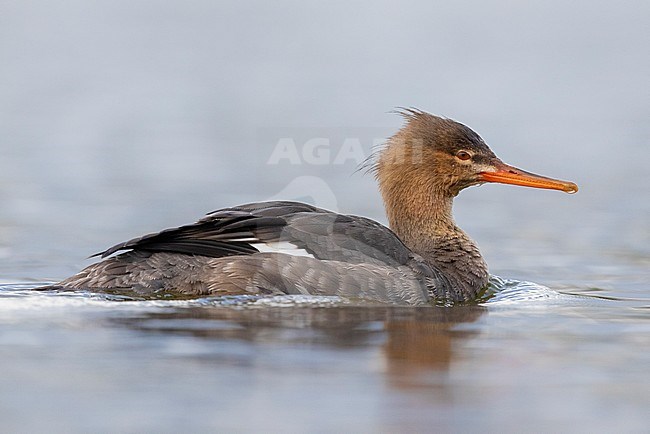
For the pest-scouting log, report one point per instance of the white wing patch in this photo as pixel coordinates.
(284, 247)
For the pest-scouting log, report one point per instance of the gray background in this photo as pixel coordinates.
(123, 117)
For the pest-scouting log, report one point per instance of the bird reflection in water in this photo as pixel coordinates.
(413, 341)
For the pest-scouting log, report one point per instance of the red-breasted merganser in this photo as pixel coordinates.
(295, 248)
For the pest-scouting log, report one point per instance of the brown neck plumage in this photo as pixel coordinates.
(418, 199)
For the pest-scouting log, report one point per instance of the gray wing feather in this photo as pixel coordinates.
(232, 231)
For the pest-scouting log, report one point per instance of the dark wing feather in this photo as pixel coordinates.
(269, 209)
(216, 237)
(232, 231)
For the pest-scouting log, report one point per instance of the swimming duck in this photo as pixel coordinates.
(284, 247)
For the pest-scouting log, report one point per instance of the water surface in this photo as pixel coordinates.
(102, 362)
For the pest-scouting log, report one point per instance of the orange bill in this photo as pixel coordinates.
(506, 174)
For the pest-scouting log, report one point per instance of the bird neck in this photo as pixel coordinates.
(421, 216)
(422, 219)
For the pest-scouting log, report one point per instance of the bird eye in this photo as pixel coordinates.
(463, 155)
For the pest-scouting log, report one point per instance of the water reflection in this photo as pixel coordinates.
(412, 340)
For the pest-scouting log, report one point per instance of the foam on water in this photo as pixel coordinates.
(508, 291)
(21, 297)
